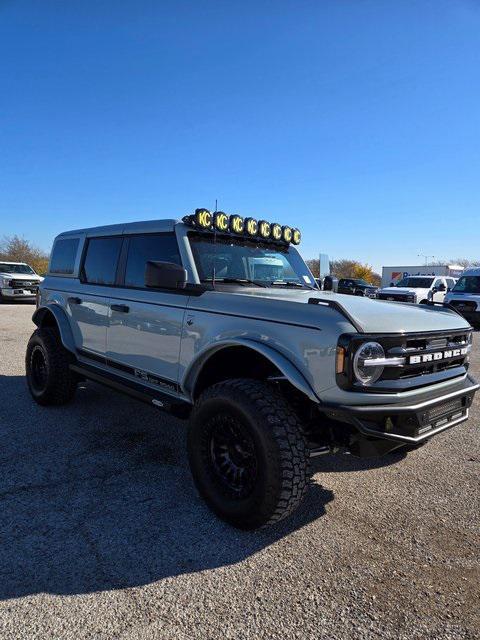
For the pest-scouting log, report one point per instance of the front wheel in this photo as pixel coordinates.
(248, 455)
(47, 363)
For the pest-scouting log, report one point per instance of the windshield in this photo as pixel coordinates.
(249, 261)
(468, 284)
(415, 283)
(15, 268)
(363, 283)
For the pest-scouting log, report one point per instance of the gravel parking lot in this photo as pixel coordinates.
(103, 536)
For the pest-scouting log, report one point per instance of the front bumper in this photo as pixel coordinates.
(380, 428)
(19, 292)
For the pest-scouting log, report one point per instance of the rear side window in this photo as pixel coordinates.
(141, 249)
(63, 256)
(101, 259)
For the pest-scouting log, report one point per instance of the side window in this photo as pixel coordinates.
(63, 256)
(437, 283)
(450, 283)
(100, 264)
(141, 249)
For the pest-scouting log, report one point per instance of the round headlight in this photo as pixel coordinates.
(364, 367)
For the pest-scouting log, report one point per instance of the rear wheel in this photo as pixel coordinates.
(248, 455)
(47, 363)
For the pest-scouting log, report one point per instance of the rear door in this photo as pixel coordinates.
(343, 286)
(88, 306)
(144, 333)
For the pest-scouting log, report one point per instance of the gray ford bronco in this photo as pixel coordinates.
(217, 318)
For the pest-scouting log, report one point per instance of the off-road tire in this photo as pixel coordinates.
(59, 384)
(281, 450)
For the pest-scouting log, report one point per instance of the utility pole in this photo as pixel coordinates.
(422, 255)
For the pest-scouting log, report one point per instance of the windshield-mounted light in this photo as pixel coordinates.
(276, 231)
(236, 224)
(220, 221)
(264, 229)
(203, 218)
(251, 226)
(287, 234)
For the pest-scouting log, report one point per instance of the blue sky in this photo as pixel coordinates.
(356, 120)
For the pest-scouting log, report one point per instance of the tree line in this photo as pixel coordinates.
(347, 269)
(16, 249)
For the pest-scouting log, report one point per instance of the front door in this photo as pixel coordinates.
(440, 290)
(144, 333)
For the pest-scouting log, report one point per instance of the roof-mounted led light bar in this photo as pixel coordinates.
(221, 222)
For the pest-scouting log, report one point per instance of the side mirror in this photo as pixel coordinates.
(327, 283)
(165, 275)
(441, 287)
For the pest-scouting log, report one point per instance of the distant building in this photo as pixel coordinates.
(395, 274)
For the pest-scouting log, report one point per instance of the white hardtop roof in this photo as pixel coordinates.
(146, 226)
(474, 271)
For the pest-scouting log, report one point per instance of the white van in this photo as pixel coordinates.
(465, 296)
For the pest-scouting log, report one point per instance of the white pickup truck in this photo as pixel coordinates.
(418, 289)
(18, 281)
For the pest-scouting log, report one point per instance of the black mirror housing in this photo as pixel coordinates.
(165, 275)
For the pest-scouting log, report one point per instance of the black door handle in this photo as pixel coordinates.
(121, 308)
(74, 300)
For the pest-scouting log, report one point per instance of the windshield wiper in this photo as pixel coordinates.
(284, 283)
(244, 281)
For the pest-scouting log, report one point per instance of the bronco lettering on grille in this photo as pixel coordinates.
(438, 355)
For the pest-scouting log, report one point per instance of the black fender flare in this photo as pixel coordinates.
(287, 368)
(44, 315)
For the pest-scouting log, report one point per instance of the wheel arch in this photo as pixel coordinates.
(54, 316)
(241, 358)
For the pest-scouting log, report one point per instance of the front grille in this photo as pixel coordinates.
(425, 359)
(400, 297)
(464, 305)
(23, 284)
(417, 345)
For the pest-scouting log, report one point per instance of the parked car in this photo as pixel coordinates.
(18, 281)
(465, 296)
(357, 287)
(269, 370)
(418, 289)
